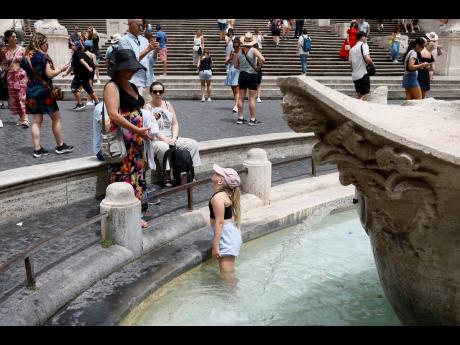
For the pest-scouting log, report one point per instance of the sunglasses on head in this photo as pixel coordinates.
(158, 92)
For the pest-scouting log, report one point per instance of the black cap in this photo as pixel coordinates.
(125, 59)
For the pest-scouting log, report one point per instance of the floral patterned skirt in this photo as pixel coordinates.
(132, 168)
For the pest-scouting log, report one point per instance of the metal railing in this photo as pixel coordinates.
(26, 255)
(189, 186)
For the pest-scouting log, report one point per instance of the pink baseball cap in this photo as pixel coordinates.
(230, 175)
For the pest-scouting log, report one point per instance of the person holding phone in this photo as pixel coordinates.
(162, 38)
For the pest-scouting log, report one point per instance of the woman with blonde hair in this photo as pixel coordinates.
(225, 215)
(39, 99)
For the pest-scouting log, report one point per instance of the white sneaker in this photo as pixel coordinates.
(413, 32)
(395, 61)
(202, 99)
(89, 103)
(1, 124)
(235, 109)
(98, 82)
(259, 100)
(209, 99)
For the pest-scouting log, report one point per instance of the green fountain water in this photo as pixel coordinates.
(308, 274)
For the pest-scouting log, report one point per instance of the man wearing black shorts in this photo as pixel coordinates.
(359, 57)
(83, 68)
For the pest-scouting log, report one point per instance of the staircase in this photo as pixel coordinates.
(323, 63)
(323, 60)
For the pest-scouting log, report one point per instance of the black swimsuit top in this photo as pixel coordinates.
(228, 214)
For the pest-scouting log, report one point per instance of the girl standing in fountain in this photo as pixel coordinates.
(225, 214)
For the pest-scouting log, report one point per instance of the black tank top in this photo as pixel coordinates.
(128, 102)
(228, 210)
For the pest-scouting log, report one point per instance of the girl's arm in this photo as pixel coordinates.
(218, 206)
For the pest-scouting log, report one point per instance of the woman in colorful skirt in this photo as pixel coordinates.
(16, 77)
(124, 104)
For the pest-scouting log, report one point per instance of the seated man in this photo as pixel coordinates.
(168, 134)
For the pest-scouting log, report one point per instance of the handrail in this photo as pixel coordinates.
(26, 254)
(189, 186)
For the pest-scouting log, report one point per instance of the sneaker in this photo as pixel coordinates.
(241, 121)
(412, 32)
(89, 103)
(202, 99)
(98, 82)
(209, 99)
(1, 124)
(395, 61)
(64, 148)
(79, 106)
(41, 152)
(235, 109)
(259, 100)
(254, 122)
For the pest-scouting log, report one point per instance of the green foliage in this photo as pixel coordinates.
(107, 243)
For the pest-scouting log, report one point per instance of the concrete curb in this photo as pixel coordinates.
(26, 191)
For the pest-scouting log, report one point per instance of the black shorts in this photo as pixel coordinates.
(79, 81)
(363, 85)
(259, 77)
(276, 32)
(247, 81)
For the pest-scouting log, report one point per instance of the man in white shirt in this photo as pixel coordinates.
(143, 49)
(302, 53)
(359, 57)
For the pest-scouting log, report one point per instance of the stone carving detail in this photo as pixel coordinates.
(303, 115)
(383, 175)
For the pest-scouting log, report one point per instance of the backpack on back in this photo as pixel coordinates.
(306, 47)
(181, 163)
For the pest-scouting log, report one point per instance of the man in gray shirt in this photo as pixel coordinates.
(142, 48)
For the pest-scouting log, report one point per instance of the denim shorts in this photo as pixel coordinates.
(230, 240)
(206, 74)
(410, 81)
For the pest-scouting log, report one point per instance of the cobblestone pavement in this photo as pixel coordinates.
(16, 238)
(198, 120)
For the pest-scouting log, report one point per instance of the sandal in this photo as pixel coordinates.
(144, 224)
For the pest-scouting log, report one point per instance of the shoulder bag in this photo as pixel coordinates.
(369, 67)
(258, 70)
(113, 147)
(55, 92)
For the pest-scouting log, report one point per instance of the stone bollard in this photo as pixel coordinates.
(258, 180)
(124, 222)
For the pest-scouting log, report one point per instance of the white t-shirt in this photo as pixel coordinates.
(300, 46)
(357, 60)
(223, 21)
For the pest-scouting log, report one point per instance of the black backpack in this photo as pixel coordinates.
(180, 162)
